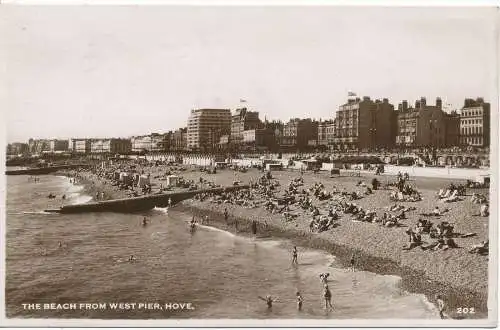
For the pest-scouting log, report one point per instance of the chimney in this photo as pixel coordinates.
(423, 102)
(400, 107)
(405, 105)
(417, 104)
(439, 103)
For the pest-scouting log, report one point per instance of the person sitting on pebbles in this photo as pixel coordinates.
(415, 240)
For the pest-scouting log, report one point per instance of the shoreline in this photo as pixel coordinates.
(412, 281)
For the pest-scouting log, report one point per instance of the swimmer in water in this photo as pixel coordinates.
(324, 277)
(63, 197)
(60, 244)
(300, 300)
(144, 221)
(131, 258)
(353, 261)
(205, 220)
(269, 301)
(294, 256)
(192, 224)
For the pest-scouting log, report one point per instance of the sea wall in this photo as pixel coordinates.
(42, 170)
(141, 203)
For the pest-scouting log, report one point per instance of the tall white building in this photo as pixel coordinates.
(206, 126)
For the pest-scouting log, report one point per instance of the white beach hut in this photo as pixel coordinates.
(172, 180)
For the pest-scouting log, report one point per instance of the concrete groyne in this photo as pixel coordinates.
(43, 170)
(141, 203)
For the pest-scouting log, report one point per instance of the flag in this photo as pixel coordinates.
(243, 101)
(351, 94)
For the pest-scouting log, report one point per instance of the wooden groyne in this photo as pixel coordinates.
(43, 170)
(141, 203)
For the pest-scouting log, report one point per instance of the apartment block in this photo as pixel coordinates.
(243, 120)
(110, 146)
(364, 124)
(206, 126)
(475, 123)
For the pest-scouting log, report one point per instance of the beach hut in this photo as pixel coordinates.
(143, 181)
(271, 167)
(311, 164)
(483, 179)
(125, 178)
(172, 180)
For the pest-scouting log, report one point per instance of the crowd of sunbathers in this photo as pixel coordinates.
(265, 192)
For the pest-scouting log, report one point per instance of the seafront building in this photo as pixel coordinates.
(80, 146)
(361, 124)
(364, 124)
(298, 134)
(475, 123)
(260, 139)
(326, 134)
(178, 140)
(426, 125)
(206, 126)
(38, 146)
(243, 120)
(110, 146)
(17, 148)
(57, 146)
(150, 143)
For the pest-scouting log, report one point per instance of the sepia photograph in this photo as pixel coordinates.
(249, 165)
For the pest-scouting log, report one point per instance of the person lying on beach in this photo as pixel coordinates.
(436, 212)
(269, 300)
(482, 249)
(452, 198)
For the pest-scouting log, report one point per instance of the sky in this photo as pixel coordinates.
(102, 71)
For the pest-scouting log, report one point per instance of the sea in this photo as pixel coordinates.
(77, 266)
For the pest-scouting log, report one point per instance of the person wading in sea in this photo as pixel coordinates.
(226, 215)
(269, 301)
(294, 256)
(254, 227)
(353, 263)
(440, 305)
(328, 297)
(300, 300)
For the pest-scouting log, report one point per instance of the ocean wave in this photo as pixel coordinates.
(219, 230)
(161, 209)
(80, 199)
(35, 212)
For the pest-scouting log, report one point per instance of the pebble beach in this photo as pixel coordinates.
(461, 277)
